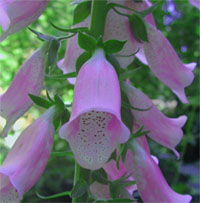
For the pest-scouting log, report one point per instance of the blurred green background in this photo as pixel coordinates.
(180, 22)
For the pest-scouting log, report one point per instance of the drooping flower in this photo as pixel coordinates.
(117, 27)
(164, 130)
(165, 63)
(150, 181)
(95, 126)
(16, 15)
(15, 101)
(73, 51)
(27, 159)
(195, 3)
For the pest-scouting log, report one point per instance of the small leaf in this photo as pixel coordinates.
(53, 53)
(62, 77)
(68, 193)
(113, 46)
(72, 30)
(81, 60)
(61, 154)
(40, 101)
(114, 63)
(81, 12)
(65, 116)
(126, 114)
(100, 176)
(127, 74)
(128, 106)
(49, 98)
(79, 189)
(149, 10)
(120, 200)
(138, 27)
(41, 36)
(56, 123)
(137, 134)
(59, 102)
(86, 42)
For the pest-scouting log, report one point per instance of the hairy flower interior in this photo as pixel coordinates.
(93, 141)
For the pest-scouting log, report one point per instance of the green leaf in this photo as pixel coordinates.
(86, 42)
(127, 74)
(128, 106)
(113, 46)
(72, 30)
(62, 77)
(65, 116)
(79, 189)
(40, 101)
(149, 10)
(100, 176)
(81, 12)
(115, 63)
(138, 27)
(120, 200)
(50, 99)
(139, 133)
(41, 36)
(68, 193)
(53, 53)
(81, 60)
(61, 154)
(56, 123)
(126, 114)
(59, 102)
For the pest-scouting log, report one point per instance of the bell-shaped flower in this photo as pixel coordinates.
(118, 27)
(165, 63)
(73, 51)
(195, 3)
(16, 15)
(166, 131)
(15, 101)
(95, 126)
(27, 159)
(150, 181)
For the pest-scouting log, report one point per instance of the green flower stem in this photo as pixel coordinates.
(98, 19)
(81, 173)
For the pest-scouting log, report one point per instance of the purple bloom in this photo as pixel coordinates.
(16, 15)
(27, 159)
(15, 101)
(95, 126)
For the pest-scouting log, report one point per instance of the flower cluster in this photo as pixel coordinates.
(95, 127)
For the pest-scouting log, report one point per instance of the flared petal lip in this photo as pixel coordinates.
(13, 184)
(61, 133)
(65, 70)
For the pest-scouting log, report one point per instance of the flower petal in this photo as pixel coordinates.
(164, 130)
(15, 101)
(165, 63)
(21, 14)
(95, 126)
(151, 183)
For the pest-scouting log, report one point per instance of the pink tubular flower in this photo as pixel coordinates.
(16, 15)
(95, 126)
(165, 63)
(73, 51)
(164, 130)
(15, 101)
(117, 27)
(27, 159)
(151, 184)
(195, 3)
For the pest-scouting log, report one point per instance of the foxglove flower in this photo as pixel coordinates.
(165, 63)
(164, 130)
(27, 159)
(16, 15)
(117, 27)
(150, 181)
(195, 3)
(95, 126)
(73, 51)
(15, 101)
